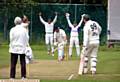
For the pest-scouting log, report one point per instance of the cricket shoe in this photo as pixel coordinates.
(52, 53)
(12, 78)
(85, 71)
(48, 52)
(93, 72)
(59, 60)
(63, 58)
(70, 56)
(23, 78)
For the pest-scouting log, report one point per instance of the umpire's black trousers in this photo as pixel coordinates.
(14, 58)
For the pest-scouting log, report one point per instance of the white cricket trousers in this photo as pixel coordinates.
(49, 41)
(60, 52)
(74, 40)
(91, 55)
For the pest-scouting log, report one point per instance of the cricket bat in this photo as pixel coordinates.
(81, 65)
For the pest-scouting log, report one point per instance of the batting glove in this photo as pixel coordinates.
(65, 42)
(55, 43)
(84, 49)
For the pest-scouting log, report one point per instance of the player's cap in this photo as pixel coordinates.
(57, 28)
(18, 20)
(86, 16)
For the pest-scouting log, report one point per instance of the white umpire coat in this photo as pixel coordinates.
(18, 40)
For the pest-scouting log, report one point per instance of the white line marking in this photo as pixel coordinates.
(70, 77)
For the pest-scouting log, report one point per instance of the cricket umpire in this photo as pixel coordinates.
(18, 42)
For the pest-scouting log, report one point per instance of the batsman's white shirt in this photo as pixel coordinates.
(60, 35)
(92, 32)
(48, 27)
(18, 40)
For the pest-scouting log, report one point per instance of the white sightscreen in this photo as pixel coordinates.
(114, 19)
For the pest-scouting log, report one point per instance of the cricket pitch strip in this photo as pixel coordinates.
(19, 80)
(46, 69)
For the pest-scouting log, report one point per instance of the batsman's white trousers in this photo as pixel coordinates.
(60, 52)
(74, 40)
(49, 41)
(91, 55)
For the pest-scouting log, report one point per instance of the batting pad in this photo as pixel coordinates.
(20, 80)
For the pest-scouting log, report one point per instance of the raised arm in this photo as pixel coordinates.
(55, 19)
(41, 19)
(80, 21)
(68, 20)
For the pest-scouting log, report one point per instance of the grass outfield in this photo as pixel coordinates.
(108, 67)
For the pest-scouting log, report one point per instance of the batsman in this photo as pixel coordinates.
(91, 36)
(60, 41)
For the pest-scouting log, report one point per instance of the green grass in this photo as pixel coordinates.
(4, 56)
(79, 80)
(108, 67)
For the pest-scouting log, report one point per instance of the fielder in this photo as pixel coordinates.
(25, 22)
(60, 41)
(49, 26)
(74, 35)
(92, 31)
(28, 51)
